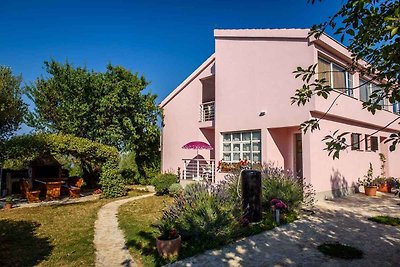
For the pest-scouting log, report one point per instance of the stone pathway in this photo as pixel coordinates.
(343, 220)
(109, 239)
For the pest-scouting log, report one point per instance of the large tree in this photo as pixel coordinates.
(371, 29)
(108, 107)
(12, 108)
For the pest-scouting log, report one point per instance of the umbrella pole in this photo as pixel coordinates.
(198, 165)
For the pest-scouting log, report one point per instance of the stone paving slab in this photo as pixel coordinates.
(109, 239)
(343, 220)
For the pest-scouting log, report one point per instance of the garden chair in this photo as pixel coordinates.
(74, 187)
(28, 193)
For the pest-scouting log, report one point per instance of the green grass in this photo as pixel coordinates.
(386, 220)
(49, 235)
(59, 235)
(136, 220)
(338, 250)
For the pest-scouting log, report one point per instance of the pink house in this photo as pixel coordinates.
(238, 101)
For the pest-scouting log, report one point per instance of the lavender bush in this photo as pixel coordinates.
(202, 215)
(277, 183)
(286, 186)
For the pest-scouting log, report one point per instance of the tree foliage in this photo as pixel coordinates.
(110, 108)
(28, 147)
(94, 155)
(12, 108)
(371, 28)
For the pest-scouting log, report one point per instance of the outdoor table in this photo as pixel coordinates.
(53, 189)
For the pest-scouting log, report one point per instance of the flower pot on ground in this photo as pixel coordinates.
(385, 187)
(9, 203)
(168, 248)
(169, 242)
(370, 190)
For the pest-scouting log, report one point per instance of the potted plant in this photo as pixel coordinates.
(369, 182)
(385, 184)
(169, 242)
(278, 208)
(9, 203)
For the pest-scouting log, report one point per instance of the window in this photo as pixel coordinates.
(366, 89)
(374, 143)
(355, 141)
(371, 143)
(337, 77)
(242, 146)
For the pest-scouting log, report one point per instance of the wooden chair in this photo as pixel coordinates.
(32, 196)
(74, 187)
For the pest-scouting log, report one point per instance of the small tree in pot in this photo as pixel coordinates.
(369, 182)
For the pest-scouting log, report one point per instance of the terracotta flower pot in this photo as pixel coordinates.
(370, 190)
(168, 248)
(8, 206)
(385, 188)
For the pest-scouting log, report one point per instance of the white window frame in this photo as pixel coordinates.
(349, 78)
(241, 142)
(370, 87)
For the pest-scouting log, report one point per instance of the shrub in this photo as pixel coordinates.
(128, 168)
(175, 190)
(112, 183)
(286, 186)
(163, 182)
(203, 216)
(277, 183)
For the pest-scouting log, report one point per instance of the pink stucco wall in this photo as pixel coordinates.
(181, 121)
(254, 73)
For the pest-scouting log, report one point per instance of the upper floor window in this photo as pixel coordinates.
(366, 89)
(371, 143)
(355, 141)
(242, 146)
(336, 76)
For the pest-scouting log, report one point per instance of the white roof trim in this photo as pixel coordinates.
(188, 80)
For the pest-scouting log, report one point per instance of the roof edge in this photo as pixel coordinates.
(191, 77)
(262, 33)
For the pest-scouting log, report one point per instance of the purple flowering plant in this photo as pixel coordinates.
(278, 204)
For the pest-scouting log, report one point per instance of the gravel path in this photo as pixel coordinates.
(109, 239)
(343, 220)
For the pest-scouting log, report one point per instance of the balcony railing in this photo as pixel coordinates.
(207, 111)
(199, 170)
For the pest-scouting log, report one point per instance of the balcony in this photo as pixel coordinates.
(199, 170)
(207, 114)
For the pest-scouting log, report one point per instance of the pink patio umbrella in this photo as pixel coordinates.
(198, 145)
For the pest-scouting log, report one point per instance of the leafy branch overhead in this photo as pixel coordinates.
(371, 30)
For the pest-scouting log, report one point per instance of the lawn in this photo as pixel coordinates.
(59, 235)
(49, 235)
(136, 220)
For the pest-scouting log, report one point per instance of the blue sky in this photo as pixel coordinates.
(164, 40)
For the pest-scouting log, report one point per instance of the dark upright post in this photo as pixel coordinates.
(251, 193)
